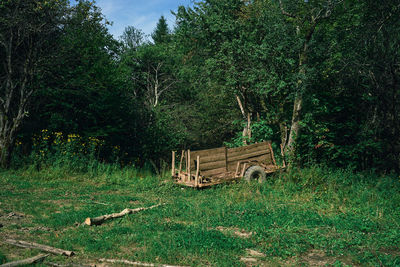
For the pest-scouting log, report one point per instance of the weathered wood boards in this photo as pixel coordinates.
(29, 261)
(222, 161)
(219, 160)
(101, 219)
(136, 263)
(24, 244)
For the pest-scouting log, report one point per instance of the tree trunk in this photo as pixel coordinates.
(295, 127)
(6, 146)
(29, 261)
(246, 134)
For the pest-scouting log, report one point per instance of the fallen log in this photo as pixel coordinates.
(101, 219)
(52, 250)
(53, 264)
(36, 259)
(137, 263)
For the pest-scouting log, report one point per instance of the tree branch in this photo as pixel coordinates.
(284, 12)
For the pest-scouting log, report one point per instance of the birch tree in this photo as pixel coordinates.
(27, 29)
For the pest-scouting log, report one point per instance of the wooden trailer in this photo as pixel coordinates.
(209, 167)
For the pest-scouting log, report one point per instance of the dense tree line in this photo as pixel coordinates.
(319, 77)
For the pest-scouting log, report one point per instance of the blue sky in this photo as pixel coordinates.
(142, 14)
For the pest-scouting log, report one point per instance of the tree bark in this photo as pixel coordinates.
(29, 261)
(298, 101)
(101, 219)
(52, 250)
(137, 263)
(247, 116)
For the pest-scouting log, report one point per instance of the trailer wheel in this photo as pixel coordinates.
(255, 173)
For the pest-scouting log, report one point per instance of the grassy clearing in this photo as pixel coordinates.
(310, 217)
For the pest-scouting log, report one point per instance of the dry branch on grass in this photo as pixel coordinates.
(101, 219)
(28, 261)
(137, 263)
(52, 250)
(53, 264)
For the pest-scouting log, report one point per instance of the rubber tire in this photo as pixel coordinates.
(255, 172)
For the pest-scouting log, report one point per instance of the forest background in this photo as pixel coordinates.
(320, 78)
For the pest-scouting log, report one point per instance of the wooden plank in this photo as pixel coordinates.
(196, 179)
(232, 152)
(226, 159)
(209, 158)
(208, 152)
(243, 170)
(173, 163)
(272, 153)
(206, 160)
(188, 167)
(237, 168)
(213, 172)
(248, 155)
(180, 163)
(265, 159)
(212, 165)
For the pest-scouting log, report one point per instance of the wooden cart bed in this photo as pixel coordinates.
(209, 167)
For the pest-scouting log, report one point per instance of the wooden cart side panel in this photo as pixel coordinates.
(212, 165)
(248, 155)
(208, 152)
(232, 166)
(208, 155)
(217, 161)
(238, 151)
(261, 152)
(209, 159)
(213, 172)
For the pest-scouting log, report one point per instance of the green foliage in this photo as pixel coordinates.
(3, 258)
(161, 33)
(260, 130)
(132, 37)
(226, 61)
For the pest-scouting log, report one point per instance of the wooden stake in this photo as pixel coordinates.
(53, 264)
(101, 219)
(36, 259)
(186, 166)
(24, 244)
(237, 169)
(196, 179)
(173, 164)
(188, 169)
(272, 153)
(243, 170)
(226, 159)
(136, 263)
(180, 163)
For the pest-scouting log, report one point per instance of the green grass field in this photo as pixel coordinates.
(310, 217)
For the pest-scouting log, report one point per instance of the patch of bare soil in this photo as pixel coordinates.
(13, 218)
(317, 257)
(391, 252)
(253, 258)
(235, 231)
